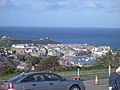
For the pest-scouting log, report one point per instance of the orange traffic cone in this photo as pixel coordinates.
(96, 80)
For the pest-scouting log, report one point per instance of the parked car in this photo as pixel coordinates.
(41, 81)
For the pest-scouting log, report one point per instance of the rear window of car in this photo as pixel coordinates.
(16, 78)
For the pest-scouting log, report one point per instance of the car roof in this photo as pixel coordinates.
(18, 77)
(29, 73)
(23, 75)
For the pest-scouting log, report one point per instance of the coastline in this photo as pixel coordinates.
(91, 36)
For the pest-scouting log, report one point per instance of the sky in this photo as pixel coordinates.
(60, 13)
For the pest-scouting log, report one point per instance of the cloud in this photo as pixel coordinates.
(6, 4)
(93, 5)
(48, 4)
(113, 6)
(53, 5)
(45, 5)
(23, 7)
(70, 5)
(78, 5)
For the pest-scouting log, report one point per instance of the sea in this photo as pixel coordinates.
(67, 35)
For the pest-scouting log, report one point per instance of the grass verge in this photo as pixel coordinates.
(65, 73)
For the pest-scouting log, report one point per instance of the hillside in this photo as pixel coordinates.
(7, 41)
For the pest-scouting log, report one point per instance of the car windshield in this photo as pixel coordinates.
(16, 78)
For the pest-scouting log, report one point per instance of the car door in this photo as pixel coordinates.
(55, 82)
(33, 83)
(24, 86)
(40, 83)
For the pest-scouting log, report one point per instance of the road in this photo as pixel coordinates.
(87, 76)
(103, 84)
(89, 80)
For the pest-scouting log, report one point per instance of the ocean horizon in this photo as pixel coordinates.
(67, 35)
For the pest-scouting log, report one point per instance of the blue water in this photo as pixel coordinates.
(93, 36)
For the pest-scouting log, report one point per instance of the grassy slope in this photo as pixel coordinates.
(7, 42)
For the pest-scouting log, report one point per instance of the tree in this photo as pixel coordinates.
(6, 63)
(28, 59)
(6, 70)
(112, 58)
(48, 63)
(117, 58)
(21, 57)
(32, 60)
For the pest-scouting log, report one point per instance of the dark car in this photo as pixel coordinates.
(41, 81)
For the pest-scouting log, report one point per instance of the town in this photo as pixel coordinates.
(61, 50)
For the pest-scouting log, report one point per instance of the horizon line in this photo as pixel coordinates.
(61, 27)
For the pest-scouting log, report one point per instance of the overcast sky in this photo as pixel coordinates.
(60, 13)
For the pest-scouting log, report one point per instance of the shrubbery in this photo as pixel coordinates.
(8, 70)
(64, 68)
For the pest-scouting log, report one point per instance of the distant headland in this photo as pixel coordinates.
(7, 41)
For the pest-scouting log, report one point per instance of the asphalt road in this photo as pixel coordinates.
(89, 81)
(103, 84)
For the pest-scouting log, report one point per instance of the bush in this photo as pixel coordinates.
(64, 68)
(48, 63)
(8, 70)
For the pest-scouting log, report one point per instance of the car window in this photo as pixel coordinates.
(38, 77)
(51, 77)
(29, 79)
(16, 78)
(33, 78)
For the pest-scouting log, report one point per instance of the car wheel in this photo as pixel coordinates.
(75, 88)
